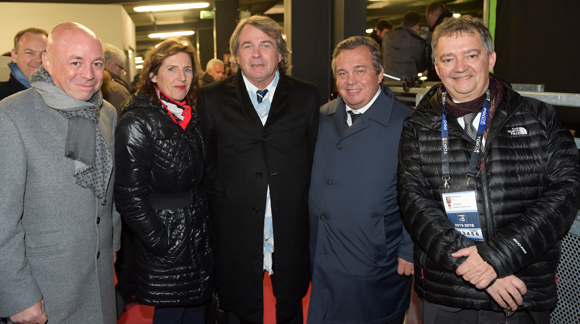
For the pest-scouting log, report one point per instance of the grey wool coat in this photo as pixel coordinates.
(56, 238)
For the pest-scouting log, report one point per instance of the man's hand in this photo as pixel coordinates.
(405, 267)
(474, 269)
(508, 290)
(114, 257)
(33, 315)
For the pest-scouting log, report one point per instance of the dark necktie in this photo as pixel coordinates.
(353, 116)
(261, 94)
(468, 119)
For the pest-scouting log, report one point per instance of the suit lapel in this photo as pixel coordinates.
(279, 95)
(379, 112)
(246, 102)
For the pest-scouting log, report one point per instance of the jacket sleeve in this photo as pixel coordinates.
(550, 217)
(423, 217)
(133, 158)
(18, 287)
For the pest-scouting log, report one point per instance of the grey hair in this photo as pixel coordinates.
(113, 53)
(462, 25)
(212, 62)
(354, 42)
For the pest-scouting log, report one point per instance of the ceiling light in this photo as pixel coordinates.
(456, 15)
(138, 67)
(182, 6)
(167, 35)
(370, 30)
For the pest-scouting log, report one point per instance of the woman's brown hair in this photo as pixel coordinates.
(154, 58)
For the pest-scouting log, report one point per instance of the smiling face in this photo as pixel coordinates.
(174, 76)
(258, 56)
(75, 60)
(463, 65)
(28, 58)
(356, 79)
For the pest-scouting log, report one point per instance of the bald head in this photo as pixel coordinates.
(75, 60)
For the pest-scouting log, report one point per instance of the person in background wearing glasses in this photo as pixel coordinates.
(496, 243)
(115, 89)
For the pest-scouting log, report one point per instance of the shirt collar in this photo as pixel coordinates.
(367, 106)
(252, 88)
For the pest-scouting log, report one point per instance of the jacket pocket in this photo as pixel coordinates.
(43, 243)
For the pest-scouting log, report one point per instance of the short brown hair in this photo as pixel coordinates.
(270, 28)
(411, 19)
(154, 58)
(24, 31)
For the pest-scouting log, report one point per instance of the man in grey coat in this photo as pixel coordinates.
(58, 229)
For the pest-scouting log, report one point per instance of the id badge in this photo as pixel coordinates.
(461, 208)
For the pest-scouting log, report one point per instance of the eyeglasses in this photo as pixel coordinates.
(123, 71)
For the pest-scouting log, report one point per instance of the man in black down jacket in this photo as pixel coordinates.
(524, 187)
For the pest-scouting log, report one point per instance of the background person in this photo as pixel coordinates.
(29, 44)
(383, 27)
(523, 185)
(160, 156)
(404, 49)
(58, 229)
(436, 12)
(215, 71)
(115, 89)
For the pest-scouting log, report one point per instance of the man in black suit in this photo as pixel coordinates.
(260, 127)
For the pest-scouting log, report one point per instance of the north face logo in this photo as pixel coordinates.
(517, 131)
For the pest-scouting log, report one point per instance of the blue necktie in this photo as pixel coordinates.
(261, 94)
(353, 116)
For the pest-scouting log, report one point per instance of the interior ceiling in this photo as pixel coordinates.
(146, 23)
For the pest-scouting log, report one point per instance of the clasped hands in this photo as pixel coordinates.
(505, 291)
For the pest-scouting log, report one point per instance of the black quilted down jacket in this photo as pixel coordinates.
(159, 168)
(527, 198)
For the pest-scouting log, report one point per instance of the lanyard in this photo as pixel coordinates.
(471, 171)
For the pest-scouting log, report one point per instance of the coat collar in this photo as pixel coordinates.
(242, 93)
(379, 112)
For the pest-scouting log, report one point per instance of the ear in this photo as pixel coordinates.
(279, 57)
(153, 77)
(381, 76)
(46, 62)
(492, 58)
(13, 54)
(110, 65)
(436, 68)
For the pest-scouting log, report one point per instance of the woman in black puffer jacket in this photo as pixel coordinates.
(159, 168)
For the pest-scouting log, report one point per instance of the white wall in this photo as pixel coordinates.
(110, 22)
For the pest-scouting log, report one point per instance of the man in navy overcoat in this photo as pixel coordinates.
(361, 255)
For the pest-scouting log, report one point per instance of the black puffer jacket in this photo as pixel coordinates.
(159, 168)
(527, 197)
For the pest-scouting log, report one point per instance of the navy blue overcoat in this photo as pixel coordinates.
(356, 229)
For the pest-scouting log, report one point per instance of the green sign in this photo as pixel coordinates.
(206, 14)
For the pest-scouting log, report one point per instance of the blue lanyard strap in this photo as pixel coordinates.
(471, 170)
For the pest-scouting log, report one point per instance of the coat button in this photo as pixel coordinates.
(98, 220)
(258, 174)
(321, 217)
(339, 147)
(98, 254)
(264, 139)
(328, 182)
(255, 210)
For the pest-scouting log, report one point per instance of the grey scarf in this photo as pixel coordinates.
(84, 143)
